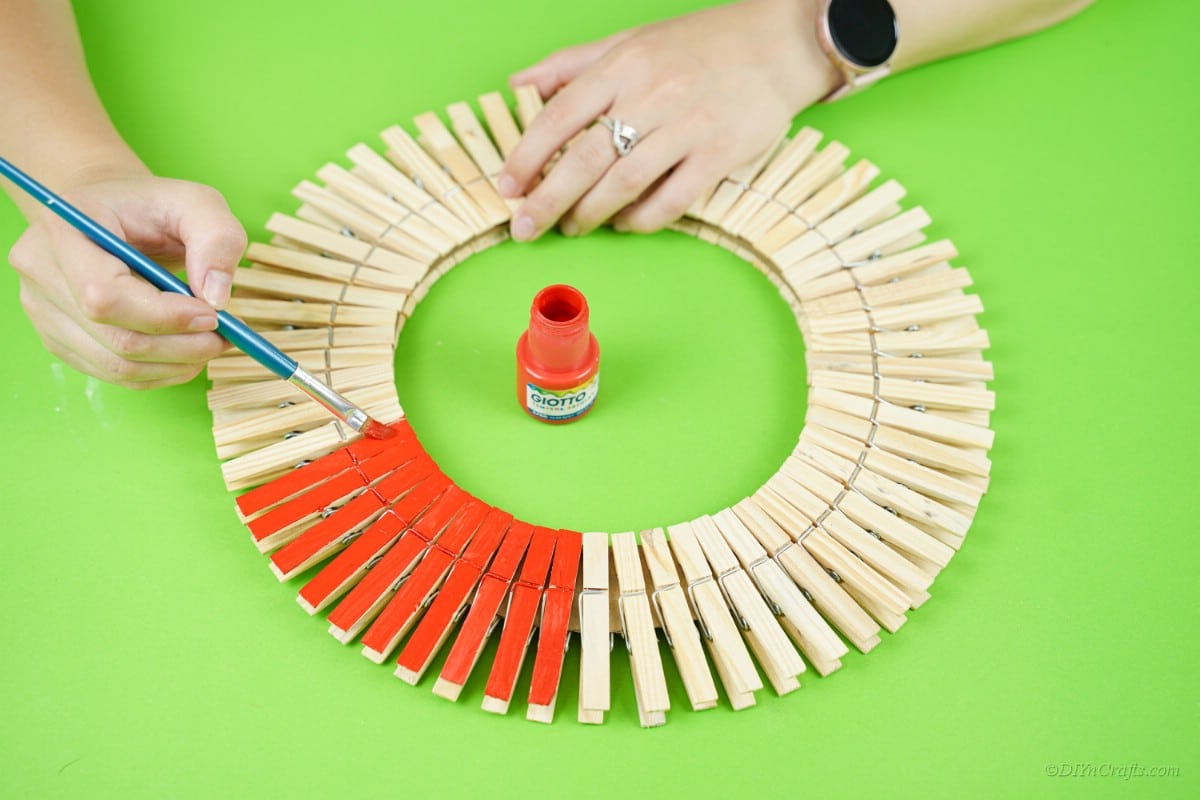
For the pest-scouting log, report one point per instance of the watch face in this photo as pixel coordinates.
(865, 31)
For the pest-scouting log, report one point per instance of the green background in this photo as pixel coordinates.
(148, 652)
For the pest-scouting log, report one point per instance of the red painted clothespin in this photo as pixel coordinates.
(364, 601)
(398, 616)
(554, 630)
(482, 617)
(332, 533)
(523, 603)
(344, 571)
(451, 599)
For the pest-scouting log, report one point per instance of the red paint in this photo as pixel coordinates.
(556, 617)
(402, 610)
(315, 543)
(339, 486)
(303, 478)
(435, 626)
(485, 606)
(365, 600)
(558, 358)
(336, 577)
(523, 606)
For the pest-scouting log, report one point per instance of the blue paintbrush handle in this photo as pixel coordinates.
(229, 326)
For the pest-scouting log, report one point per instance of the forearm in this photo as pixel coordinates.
(934, 29)
(53, 123)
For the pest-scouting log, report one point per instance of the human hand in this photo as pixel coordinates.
(707, 93)
(101, 319)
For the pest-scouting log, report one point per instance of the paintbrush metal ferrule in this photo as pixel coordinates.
(337, 405)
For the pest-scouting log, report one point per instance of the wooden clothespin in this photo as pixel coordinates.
(835, 485)
(796, 615)
(810, 577)
(451, 599)
(324, 240)
(443, 146)
(307, 477)
(637, 628)
(384, 176)
(682, 635)
(790, 158)
(348, 567)
(335, 531)
(554, 627)
(365, 600)
(499, 121)
(286, 520)
(281, 457)
(406, 605)
(475, 140)
(524, 601)
(484, 612)
(874, 593)
(929, 498)
(766, 638)
(781, 222)
(729, 653)
(302, 479)
(595, 633)
(429, 240)
(404, 151)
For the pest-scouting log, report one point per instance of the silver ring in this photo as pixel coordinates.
(624, 136)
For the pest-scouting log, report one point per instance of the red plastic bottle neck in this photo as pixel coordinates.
(558, 336)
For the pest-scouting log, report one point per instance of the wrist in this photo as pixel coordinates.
(806, 75)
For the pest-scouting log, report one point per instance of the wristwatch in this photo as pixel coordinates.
(859, 36)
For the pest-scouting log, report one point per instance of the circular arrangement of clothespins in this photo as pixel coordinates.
(841, 542)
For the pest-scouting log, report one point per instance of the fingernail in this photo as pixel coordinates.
(523, 229)
(216, 289)
(204, 322)
(569, 227)
(507, 185)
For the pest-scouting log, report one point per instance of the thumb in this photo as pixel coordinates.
(213, 242)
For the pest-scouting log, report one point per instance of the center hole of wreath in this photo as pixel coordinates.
(702, 381)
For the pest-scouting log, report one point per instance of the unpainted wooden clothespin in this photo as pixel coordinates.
(796, 615)
(729, 654)
(637, 628)
(595, 634)
(770, 644)
(680, 630)
(813, 580)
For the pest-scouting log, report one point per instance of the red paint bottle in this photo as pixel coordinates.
(558, 358)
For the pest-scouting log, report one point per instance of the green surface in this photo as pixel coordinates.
(149, 653)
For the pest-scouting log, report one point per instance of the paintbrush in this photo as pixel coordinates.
(230, 327)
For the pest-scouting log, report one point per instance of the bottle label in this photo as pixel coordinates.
(561, 404)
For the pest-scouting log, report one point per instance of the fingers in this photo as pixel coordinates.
(214, 242)
(105, 292)
(569, 112)
(117, 355)
(100, 318)
(583, 164)
(564, 66)
(669, 200)
(626, 180)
